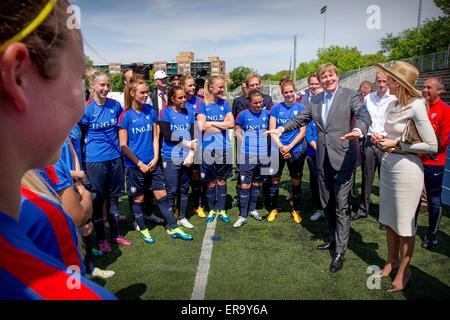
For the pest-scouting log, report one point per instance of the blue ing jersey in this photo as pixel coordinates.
(284, 114)
(102, 141)
(139, 126)
(215, 112)
(254, 125)
(180, 126)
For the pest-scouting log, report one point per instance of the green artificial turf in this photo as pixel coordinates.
(274, 261)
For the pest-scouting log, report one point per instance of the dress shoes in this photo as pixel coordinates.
(359, 215)
(337, 262)
(327, 245)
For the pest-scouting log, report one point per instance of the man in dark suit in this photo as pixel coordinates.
(331, 112)
(241, 103)
(158, 98)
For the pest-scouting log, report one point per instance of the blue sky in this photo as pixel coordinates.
(252, 33)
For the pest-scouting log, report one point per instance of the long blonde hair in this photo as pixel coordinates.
(35, 183)
(209, 98)
(404, 95)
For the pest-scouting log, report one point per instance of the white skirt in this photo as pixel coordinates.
(401, 184)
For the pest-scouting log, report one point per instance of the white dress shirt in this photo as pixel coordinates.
(377, 109)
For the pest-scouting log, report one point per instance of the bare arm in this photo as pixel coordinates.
(78, 205)
(206, 125)
(275, 137)
(228, 122)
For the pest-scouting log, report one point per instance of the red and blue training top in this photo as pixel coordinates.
(27, 273)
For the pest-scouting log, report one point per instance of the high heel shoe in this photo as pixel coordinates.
(380, 273)
(393, 288)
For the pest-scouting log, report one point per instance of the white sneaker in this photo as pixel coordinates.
(185, 223)
(255, 215)
(240, 221)
(317, 215)
(100, 274)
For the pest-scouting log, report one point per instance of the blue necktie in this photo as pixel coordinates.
(326, 109)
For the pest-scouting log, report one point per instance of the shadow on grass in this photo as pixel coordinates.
(443, 246)
(132, 292)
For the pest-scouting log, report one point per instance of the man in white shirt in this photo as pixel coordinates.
(376, 103)
(158, 98)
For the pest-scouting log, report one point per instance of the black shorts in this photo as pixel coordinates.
(106, 177)
(138, 183)
(295, 165)
(216, 165)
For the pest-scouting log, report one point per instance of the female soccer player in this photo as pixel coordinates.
(139, 142)
(104, 164)
(177, 130)
(214, 118)
(35, 69)
(290, 150)
(253, 159)
(193, 102)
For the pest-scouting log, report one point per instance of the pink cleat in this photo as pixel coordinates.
(104, 246)
(121, 241)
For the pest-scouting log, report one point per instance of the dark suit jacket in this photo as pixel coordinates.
(241, 103)
(346, 103)
(154, 99)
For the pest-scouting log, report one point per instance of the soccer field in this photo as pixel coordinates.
(273, 261)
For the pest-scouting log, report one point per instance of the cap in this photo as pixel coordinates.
(160, 74)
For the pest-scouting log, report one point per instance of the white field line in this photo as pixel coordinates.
(201, 278)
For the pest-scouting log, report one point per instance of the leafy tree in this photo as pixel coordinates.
(116, 82)
(266, 76)
(432, 37)
(444, 5)
(238, 75)
(277, 76)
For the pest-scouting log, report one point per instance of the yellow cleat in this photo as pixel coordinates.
(272, 215)
(200, 212)
(296, 216)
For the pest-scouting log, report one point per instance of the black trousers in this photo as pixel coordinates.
(371, 161)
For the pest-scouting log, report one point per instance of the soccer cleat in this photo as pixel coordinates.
(145, 234)
(200, 212)
(98, 273)
(185, 223)
(223, 216)
(104, 246)
(296, 216)
(317, 215)
(211, 216)
(121, 241)
(255, 215)
(96, 252)
(178, 233)
(240, 222)
(272, 215)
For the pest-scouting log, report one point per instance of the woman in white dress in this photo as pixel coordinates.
(401, 180)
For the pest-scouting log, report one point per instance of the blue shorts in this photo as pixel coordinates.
(295, 165)
(253, 170)
(219, 169)
(106, 177)
(139, 183)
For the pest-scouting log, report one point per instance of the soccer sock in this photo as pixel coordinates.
(254, 196)
(274, 190)
(196, 193)
(138, 213)
(114, 214)
(244, 198)
(184, 201)
(296, 196)
(221, 197)
(167, 211)
(211, 197)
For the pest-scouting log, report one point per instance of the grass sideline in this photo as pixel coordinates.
(273, 261)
